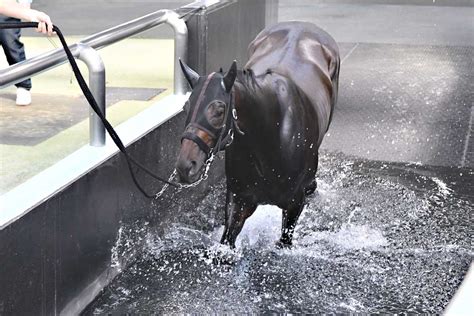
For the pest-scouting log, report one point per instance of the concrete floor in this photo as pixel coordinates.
(89, 17)
(361, 22)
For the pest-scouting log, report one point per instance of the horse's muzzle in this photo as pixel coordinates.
(186, 170)
(190, 163)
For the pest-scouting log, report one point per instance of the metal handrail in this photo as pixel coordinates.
(85, 50)
(43, 62)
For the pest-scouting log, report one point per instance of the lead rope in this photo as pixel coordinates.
(92, 102)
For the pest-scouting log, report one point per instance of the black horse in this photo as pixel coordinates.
(270, 118)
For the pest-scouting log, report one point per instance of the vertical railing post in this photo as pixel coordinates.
(97, 86)
(180, 50)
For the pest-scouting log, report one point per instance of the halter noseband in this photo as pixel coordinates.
(223, 135)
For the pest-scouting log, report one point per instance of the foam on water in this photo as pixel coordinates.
(353, 237)
(442, 187)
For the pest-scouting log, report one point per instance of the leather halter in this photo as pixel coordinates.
(223, 136)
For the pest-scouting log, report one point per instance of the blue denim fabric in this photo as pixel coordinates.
(13, 47)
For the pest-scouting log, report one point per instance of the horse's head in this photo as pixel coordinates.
(209, 120)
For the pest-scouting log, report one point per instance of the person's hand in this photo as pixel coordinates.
(45, 25)
(25, 4)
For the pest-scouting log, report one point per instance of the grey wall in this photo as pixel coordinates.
(222, 33)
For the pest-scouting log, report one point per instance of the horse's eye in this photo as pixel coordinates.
(215, 113)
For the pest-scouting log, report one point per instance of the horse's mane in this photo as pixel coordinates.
(247, 78)
(253, 83)
(257, 94)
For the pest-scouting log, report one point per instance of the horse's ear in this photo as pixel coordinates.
(229, 77)
(191, 76)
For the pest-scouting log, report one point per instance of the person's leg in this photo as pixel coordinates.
(15, 52)
(13, 48)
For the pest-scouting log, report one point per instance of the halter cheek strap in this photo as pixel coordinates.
(198, 141)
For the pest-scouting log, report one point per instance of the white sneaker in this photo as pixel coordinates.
(23, 96)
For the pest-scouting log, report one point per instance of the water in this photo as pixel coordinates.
(376, 237)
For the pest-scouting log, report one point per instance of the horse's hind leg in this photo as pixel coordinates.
(235, 222)
(290, 217)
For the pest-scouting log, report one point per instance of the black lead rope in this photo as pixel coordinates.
(90, 98)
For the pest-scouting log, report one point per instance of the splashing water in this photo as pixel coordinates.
(443, 188)
(376, 237)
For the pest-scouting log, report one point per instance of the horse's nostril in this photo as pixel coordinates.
(182, 167)
(186, 169)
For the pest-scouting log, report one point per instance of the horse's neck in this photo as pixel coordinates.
(246, 101)
(249, 93)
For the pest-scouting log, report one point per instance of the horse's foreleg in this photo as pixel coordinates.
(290, 217)
(234, 223)
(311, 188)
(313, 185)
(228, 199)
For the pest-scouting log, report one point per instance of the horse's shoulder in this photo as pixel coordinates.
(280, 88)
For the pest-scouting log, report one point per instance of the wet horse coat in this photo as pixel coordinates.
(284, 99)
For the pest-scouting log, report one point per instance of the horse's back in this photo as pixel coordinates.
(283, 44)
(307, 56)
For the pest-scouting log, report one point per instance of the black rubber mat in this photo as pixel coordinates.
(405, 103)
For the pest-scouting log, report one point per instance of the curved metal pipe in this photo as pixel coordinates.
(96, 68)
(180, 50)
(43, 62)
